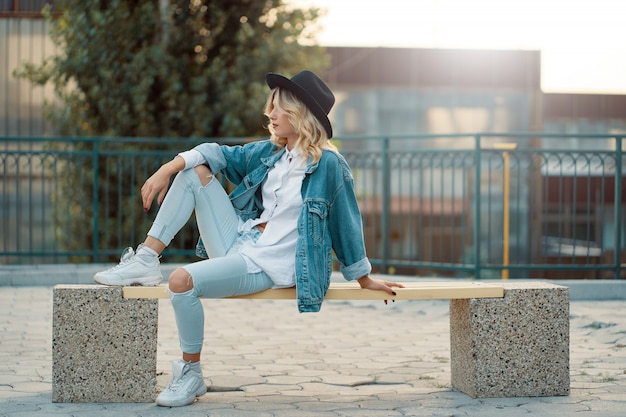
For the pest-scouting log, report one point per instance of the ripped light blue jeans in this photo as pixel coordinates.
(225, 273)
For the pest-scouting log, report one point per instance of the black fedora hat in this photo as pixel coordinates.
(311, 90)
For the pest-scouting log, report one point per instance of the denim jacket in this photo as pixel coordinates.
(330, 218)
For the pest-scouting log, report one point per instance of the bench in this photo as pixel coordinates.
(507, 339)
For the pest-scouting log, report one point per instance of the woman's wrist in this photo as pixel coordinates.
(174, 166)
(363, 281)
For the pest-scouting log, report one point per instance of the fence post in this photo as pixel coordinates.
(506, 156)
(477, 208)
(385, 197)
(96, 221)
(618, 205)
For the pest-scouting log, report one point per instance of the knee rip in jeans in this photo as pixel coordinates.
(180, 281)
(204, 173)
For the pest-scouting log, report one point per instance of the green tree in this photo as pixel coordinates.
(166, 69)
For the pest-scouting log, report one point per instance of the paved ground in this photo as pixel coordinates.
(262, 358)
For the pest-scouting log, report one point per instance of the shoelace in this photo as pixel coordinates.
(174, 384)
(127, 255)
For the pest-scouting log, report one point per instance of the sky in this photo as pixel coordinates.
(582, 42)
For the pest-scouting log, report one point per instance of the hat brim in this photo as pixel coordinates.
(277, 80)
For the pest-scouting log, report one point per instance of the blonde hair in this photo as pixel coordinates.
(312, 137)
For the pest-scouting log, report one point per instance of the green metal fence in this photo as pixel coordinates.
(465, 205)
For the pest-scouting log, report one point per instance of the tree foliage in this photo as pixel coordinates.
(166, 69)
(154, 68)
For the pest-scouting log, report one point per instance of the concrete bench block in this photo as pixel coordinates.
(103, 346)
(516, 346)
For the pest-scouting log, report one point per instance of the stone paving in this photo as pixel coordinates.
(263, 358)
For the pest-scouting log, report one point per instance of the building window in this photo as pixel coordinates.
(23, 8)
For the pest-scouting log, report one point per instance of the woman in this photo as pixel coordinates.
(294, 203)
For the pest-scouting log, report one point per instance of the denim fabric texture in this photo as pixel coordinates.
(330, 219)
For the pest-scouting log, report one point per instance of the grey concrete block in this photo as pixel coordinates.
(516, 346)
(103, 346)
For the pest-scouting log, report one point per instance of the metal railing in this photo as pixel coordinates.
(466, 205)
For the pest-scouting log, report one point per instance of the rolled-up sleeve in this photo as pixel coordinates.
(356, 270)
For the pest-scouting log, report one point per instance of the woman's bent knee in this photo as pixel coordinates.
(180, 281)
(204, 173)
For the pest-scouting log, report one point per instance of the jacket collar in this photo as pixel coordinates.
(270, 161)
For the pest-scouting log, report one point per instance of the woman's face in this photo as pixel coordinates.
(280, 122)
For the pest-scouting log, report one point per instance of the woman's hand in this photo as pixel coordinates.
(158, 184)
(379, 285)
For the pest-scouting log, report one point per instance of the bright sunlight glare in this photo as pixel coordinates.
(581, 41)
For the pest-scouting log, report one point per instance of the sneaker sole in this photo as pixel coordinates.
(140, 282)
(186, 401)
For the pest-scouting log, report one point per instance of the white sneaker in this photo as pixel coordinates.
(185, 386)
(132, 270)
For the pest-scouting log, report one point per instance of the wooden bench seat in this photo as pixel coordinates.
(352, 291)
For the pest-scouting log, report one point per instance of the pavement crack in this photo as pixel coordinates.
(597, 325)
(218, 388)
(361, 384)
